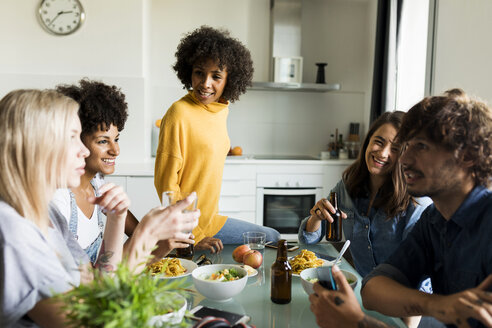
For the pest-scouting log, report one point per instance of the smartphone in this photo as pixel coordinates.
(325, 277)
(234, 318)
(290, 247)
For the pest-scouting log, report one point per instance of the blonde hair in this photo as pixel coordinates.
(34, 140)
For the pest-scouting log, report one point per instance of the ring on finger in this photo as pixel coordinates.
(317, 211)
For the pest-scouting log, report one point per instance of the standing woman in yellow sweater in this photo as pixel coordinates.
(193, 142)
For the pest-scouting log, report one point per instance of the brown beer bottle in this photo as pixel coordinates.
(334, 230)
(281, 276)
(185, 253)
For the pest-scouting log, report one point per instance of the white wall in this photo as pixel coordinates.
(132, 43)
(107, 47)
(463, 47)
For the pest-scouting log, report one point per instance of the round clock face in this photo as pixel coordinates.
(61, 17)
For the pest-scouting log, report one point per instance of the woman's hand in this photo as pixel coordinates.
(212, 244)
(113, 201)
(336, 308)
(164, 247)
(323, 209)
(170, 222)
(163, 225)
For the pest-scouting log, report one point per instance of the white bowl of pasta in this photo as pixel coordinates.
(220, 282)
(310, 276)
(172, 268)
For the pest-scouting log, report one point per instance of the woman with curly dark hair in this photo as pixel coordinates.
(102, 113)
(193, 140)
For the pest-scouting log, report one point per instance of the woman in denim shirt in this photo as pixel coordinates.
(378, 212)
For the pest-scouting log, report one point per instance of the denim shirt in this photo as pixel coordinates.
(372, 238)
(455, 253)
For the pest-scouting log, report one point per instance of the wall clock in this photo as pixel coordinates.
(61, 17)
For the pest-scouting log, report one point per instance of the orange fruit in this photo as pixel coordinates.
(158, 123)
(237, 151)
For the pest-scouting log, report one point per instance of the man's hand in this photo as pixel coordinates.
(471, 303)
(336, 308)
(212, 244)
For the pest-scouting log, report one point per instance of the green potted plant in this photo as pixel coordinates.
(123, 299)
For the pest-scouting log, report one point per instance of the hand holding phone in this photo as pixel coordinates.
(325, 277)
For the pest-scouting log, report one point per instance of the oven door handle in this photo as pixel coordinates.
(296, 192)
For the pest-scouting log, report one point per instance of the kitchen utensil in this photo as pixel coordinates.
(344, 248)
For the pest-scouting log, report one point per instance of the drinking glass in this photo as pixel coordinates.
(255, 240)
(172, 197)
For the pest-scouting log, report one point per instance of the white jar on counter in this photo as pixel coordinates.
(343, 153)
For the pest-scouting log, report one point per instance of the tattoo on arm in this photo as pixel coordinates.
(479, 302)
(413, 309)
(369, 322)
(102, 262)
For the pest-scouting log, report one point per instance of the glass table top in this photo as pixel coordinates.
(255, 302)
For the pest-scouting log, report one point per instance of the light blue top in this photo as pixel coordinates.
(372, 238)
(33, 265)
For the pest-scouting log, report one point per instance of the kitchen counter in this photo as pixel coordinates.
(146, 168)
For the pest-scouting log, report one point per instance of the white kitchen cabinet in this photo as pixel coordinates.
(117, 180)
(239, 184)
(238, 192)
(140, 190)
(331, 175)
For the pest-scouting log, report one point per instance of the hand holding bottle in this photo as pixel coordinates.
(323, 210)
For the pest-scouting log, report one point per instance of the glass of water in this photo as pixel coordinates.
(255, 240)
(170, 198)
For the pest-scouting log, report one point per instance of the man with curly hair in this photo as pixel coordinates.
(193, 142)
(448, 157)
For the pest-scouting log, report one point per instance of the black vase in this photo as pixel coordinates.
(320, 74)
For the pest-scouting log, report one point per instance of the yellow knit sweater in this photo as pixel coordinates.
(193, 145)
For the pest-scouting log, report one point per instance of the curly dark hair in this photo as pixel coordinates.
(459, 124)
(393, 196)
(100, 105)
(208, 43)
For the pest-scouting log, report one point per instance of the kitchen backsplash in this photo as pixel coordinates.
(292, 123)
(286, 123)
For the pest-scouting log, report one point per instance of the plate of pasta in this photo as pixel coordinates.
(305, 260)
(172, 268)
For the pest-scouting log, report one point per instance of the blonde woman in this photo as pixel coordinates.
(41, 150)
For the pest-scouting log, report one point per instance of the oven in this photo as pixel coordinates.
(284, 200)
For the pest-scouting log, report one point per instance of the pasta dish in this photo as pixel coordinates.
(304, 260)
(171, 267)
